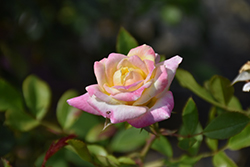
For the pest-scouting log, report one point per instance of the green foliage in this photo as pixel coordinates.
(97, 133)
(17, 119)
(124, 142)
(80, 149)
(37, 96)
(126, 160)
(186, 80)
(221, 89)
(84, 123)
(217, 91)
(102, 157)
(240, 140)
(226, 125)
(190, 117)
(221, 159)
(212, 143)
(125, 42)
(163, 146)
(66, 114)
(9, 97)
(190, 128)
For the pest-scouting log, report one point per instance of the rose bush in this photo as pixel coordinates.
(132, 88)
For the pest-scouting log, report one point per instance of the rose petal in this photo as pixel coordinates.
(159, 85)
(133, 62)
(111, 65)
(128, 87)
(246, 87)
(243, 76)
(94, 90)
(131, 96)
(116, 113)
(99, 70)
(160, 111)
(157, 58)
(171, 65)
(144, 52)
(118, 89)
(81, 103)
(150, 65)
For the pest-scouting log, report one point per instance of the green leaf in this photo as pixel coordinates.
(163, 146)
(102, 157)
(123, 142)
(212, 144)
(37, 96)
(187, 143)
(71, 157)
(226, 125)
(10, 98)
(191, 126)
(20, 120)
(186, 80)
(125, 42)
(84, 123)
(221, 160)
(240, 140)
(126, 160)
(66, 114)
(221, 89)
(235, 104)
(190, 117)
(98, 134)
(97, 150)
(191, 144)
(79, 148)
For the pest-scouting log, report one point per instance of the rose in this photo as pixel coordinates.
(244, 75)
(132, 88)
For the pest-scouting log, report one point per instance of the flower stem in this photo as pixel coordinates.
(147, 146)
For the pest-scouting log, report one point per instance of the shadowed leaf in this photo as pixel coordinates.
(125, 42)
(226, 125)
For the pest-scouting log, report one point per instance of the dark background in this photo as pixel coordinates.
(60, 40)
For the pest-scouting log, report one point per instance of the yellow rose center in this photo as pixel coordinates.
(126, 76)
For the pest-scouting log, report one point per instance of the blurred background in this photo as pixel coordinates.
(60, 40)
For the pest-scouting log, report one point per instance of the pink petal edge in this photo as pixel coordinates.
(81, 103)
(160, 111)
(116, 113)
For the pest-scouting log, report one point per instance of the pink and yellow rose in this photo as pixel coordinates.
(132, 88)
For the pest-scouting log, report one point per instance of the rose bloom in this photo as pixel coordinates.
(132, 88)
(244, 75)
